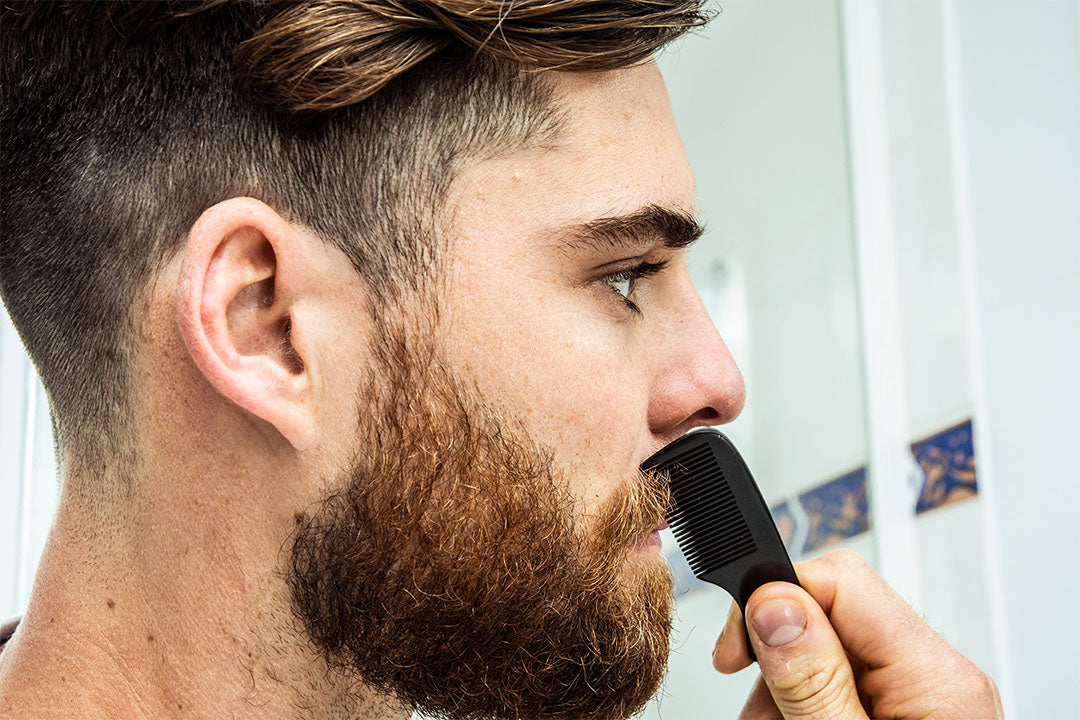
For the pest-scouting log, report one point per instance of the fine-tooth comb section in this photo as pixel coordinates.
(719, 517)
(705, 517)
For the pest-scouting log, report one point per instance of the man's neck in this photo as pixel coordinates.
(165, 627)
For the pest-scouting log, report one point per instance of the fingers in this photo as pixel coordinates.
(730, 654)
(948, 684)
(872, 621)
(760, 705)
(802, 660)
(907, 664)
(858, 636)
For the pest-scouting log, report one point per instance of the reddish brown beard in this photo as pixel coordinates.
(449, 571)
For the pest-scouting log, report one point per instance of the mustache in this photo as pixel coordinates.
(633, 510)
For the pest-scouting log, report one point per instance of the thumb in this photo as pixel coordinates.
(802, 661)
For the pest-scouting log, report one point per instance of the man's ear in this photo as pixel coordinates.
(240, 276)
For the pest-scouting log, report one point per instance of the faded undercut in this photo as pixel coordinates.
(122, 122)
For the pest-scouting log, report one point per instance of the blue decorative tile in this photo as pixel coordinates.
(948, 463)
(836, 510)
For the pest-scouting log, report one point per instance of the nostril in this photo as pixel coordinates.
(708, 414)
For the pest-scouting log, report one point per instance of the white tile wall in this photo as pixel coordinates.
(28, 489)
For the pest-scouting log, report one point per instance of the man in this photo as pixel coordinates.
(357, 320)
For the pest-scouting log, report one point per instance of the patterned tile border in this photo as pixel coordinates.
(947, 460)
(836, 510)
(839, 508)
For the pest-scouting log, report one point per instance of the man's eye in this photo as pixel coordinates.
(622, 283)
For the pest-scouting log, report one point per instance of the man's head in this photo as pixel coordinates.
(387, 283)
(124, 121)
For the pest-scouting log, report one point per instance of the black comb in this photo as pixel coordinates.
(719, 518)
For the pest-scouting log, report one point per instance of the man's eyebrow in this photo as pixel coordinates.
(674, 228)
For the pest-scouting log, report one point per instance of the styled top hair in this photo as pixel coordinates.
(122, 121)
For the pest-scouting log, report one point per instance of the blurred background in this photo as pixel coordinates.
(892, 191)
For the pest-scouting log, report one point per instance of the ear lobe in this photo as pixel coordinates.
(239, 282)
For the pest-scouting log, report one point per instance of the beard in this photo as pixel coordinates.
(450, 571)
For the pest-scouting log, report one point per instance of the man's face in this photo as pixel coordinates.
(533, 316)
(491, 549)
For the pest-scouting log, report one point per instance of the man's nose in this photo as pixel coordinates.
(696, 381)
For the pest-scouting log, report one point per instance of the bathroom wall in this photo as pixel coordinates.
(1016, 114)
(28, 485)
(759, 97)
(979, 168)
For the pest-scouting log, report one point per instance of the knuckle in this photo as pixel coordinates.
(817, 692)
(820, 685)
(979, 691)
(985, 687)
(851, 569)
(969, 671)
(848, 560)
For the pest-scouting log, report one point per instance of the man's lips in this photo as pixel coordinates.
(663, 524)
(651, 539)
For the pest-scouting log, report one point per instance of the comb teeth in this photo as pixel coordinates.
(705, 517)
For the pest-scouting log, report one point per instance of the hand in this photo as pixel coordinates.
(848, 646)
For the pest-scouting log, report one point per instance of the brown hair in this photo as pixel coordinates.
(122, 121)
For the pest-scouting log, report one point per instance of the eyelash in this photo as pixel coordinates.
(633, 274)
